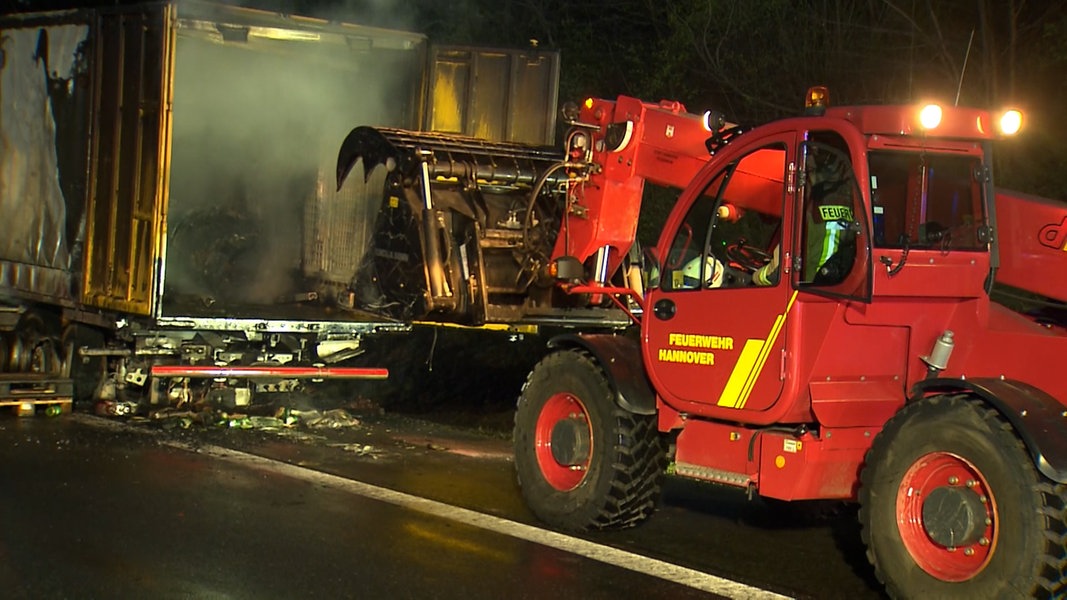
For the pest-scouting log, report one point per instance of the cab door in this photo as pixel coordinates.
(714, 330)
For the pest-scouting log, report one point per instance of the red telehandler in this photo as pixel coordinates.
(816, 321)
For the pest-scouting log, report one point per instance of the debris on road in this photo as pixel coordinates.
(115, 408)
(358, 449)
(334, 418)
(280, 419)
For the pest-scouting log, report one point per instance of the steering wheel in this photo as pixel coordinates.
(748, 258)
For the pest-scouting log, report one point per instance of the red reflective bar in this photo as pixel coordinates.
(252, 372)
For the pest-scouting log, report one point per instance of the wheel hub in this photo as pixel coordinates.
(571, 441)
(953, 516)
(563, 441)
(947, 516)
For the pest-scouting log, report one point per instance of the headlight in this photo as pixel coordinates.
(930, 116)
(617, 136)
(1011, 122)
(714, 120)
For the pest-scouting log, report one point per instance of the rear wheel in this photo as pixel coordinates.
(6, 338)
(34, 347)
(583, 462)
(951, 506)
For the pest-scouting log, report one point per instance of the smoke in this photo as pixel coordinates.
(257, 122)
(397, 14)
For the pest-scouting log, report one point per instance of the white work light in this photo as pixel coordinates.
(1011, 122)
(930, 116)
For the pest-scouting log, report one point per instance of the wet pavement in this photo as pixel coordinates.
(107, 508)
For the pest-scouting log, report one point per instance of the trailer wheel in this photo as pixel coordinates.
(951, 506)
(583, 462)
(34, 347)
(18, 356)
(5, 351)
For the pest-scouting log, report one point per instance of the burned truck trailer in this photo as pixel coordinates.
(167, 194)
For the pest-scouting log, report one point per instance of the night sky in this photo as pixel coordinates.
(754, 60)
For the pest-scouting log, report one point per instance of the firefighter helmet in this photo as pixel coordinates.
(713, 271)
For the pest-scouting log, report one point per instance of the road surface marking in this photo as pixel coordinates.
(606, 554)
(599, 552)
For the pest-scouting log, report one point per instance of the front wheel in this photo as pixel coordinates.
(951, 506)
(583, 462)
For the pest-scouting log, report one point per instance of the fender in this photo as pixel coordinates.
(620, 357)
(1038, 418)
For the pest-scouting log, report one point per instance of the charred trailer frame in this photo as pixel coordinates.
(168, 204)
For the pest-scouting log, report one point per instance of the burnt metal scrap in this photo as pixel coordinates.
(465, 227)
(213, 246)
(447, 156)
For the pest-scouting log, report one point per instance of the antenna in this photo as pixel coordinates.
(967, 55)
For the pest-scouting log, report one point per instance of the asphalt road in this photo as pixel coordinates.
(99, 508)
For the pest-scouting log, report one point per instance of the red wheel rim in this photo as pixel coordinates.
(934, 470)
(558, 408)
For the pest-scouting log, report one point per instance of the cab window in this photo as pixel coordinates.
(927, 200)
(730, 236)
(833, 256)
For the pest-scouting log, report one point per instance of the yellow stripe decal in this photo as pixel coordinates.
(750, 363)
(731, 394)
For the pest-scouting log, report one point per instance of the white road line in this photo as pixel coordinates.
(599, 552)
(606, 554)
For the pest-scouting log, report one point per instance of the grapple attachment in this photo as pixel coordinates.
(465, 227)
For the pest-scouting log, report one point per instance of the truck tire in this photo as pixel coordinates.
(951, 506)
(34, 349)
(6, 341)
(582, 461)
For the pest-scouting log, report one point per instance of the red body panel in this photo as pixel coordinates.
(666, 147)
(782, 465)
(720, 452)
(808, 468)
(1010, 345)
(896, 121)
(1033, 243)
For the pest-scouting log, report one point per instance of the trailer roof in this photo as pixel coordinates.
(194, 11)
(250, 17)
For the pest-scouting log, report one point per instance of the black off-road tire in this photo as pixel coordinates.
(1024, 559)
(618, 484)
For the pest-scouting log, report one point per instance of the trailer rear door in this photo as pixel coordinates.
(506, 95)
(128, 147)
